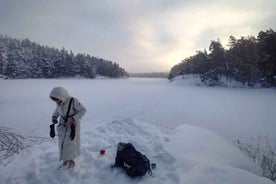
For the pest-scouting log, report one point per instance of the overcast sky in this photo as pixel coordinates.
(139, 35)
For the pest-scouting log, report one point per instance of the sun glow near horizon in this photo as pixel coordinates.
(141, 35)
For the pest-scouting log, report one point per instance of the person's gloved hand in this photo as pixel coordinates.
(54, 120)
(70, 121)
(52, 131)
(73, 131)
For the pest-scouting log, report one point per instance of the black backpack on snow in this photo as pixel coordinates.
(134, 162)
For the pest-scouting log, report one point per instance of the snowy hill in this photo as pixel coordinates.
(188, 154)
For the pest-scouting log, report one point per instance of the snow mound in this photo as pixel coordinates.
(187, 154)
(194, 80)
(190, 80)
(205, 157)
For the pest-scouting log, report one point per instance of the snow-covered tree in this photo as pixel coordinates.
(26, 59)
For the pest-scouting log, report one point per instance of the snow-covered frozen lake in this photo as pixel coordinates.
(186, 129)
(233, 113)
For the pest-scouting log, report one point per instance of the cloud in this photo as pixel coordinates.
(140, 35)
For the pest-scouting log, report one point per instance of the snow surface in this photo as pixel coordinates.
(186, 129)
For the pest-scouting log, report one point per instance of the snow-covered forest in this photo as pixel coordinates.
(249, 60)
(26, 59)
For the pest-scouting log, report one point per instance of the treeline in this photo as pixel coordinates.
(249, 60)
(149, 75)
(26, 59)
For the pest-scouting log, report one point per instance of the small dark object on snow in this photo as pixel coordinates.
(153, 165)
(102, 151)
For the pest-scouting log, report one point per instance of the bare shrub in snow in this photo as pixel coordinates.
(263, 153)
(11, 144)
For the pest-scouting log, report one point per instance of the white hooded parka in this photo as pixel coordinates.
(68, 149)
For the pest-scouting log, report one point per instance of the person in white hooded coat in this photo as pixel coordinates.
(69, 147)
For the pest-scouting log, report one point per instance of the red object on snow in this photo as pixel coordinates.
(102, 151)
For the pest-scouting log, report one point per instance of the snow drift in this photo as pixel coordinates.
(187, 154)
